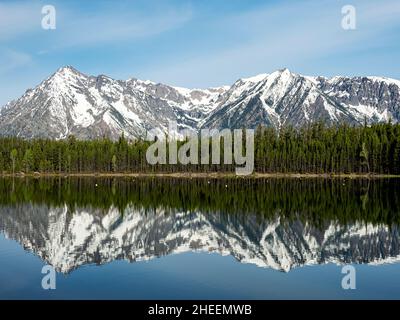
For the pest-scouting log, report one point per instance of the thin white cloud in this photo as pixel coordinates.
(284, 35)
(75, 28)
(18, 19)
(115, 26)
(11, 59)
(20, 26)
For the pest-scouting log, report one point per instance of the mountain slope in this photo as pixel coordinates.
(72, 103)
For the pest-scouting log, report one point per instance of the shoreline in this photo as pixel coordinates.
(214, 175)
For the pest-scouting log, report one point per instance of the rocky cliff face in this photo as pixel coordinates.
(376, 99)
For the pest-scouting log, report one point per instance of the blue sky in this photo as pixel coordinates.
(195, 43)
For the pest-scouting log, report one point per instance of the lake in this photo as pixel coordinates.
(169, 238)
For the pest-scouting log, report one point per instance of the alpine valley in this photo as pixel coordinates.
(72, 103)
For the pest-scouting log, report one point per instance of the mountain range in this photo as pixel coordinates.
(70, 238)
(72, 103)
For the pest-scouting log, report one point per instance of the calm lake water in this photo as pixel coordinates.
(199, 238)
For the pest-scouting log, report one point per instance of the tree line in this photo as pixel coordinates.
(316, 148)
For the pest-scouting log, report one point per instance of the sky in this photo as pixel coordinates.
(195, 44)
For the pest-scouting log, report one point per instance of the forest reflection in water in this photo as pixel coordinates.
(274, 223)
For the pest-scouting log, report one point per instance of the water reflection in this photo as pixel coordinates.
(275, 223)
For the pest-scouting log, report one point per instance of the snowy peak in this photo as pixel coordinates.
(254, 79)
(72, 103)
(65, 77)
(277, 99)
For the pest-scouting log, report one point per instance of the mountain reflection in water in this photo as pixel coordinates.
(272, 223)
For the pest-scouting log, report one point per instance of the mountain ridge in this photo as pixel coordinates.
(70, 102)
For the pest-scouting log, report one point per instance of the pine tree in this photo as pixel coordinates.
(28, 160)
(364, 155)
(13, 156)
(114, 163)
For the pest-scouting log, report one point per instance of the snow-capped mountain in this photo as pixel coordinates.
(72, 103)
(70, 239)
(285, 98)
